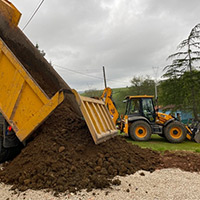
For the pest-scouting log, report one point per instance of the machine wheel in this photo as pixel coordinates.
(8, 153)
(140, 131)
(175, 132)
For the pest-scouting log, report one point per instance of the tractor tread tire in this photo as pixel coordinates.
(180, 127)
(135, 125)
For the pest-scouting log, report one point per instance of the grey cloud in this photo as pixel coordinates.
(128, 37)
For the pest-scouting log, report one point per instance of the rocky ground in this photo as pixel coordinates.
(161, 184)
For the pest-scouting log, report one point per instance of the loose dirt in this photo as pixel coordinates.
(64, 157)
(187, 161)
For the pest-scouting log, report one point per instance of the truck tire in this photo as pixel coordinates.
(175, 132)
(140, 131)
(7, 154)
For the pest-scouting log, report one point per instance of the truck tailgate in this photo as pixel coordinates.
(97, 118)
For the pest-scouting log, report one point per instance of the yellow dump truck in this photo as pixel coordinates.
(30, 89)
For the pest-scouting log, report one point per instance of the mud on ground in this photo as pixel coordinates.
(187, 161)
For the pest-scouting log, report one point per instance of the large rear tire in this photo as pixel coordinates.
(140, 131)
(175, 132)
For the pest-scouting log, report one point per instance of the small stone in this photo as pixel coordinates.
(142, 174)
(97, 168)
(61, 149)
(27, 181)
(116, 182)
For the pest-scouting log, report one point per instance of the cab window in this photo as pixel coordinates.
(135, 106)
(148, 109)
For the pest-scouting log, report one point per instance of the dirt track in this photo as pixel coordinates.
(165, 184)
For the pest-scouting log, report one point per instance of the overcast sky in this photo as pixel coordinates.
(129, 37)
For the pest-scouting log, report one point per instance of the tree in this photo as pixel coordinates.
(176, 91)
(186, 60)
(183, 69)
(92, 93)
(142, 85)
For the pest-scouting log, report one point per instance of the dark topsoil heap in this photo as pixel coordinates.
(64, 157)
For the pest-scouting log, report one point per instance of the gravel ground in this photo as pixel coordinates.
(162, 184)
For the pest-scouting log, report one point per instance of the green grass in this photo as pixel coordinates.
(160, 144)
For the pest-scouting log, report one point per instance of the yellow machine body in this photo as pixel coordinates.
(22, 102)
(107, 98)
(10, 12)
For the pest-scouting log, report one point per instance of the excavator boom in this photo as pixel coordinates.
(107, 98)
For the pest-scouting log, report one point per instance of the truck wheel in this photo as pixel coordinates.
(8, 153)
(175, 132)
(140, 131)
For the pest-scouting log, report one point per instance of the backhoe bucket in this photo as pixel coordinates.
(97, 117)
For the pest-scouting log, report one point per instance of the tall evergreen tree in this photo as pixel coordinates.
(184, 65)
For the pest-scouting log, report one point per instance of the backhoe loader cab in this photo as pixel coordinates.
(141, 120)
(140, 106)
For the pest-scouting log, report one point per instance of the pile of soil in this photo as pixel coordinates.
(63, 157)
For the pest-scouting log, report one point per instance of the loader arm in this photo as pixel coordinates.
(107, 98)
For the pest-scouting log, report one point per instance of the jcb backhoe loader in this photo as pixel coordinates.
(141, 120)
(30, 89)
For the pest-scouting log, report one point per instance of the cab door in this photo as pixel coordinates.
(148, 109)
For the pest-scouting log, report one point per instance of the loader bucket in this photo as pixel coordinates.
(97, 118)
